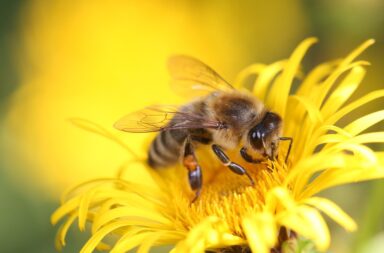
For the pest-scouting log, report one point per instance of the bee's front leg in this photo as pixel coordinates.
(238, 169)
(195, 175)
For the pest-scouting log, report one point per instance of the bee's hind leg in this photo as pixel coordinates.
(238, 169)
(195, 176)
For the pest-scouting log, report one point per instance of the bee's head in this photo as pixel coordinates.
(264, 137)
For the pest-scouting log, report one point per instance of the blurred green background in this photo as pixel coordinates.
(63, 58)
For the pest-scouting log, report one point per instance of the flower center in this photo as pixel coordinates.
(225, 194)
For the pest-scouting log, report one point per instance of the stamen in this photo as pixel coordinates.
(229, 196)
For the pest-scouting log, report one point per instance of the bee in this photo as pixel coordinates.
(222, 117)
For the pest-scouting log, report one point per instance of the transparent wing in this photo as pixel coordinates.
(190, 76)
(161, 118)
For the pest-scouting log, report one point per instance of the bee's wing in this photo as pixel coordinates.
(190, 76)
(161, 118)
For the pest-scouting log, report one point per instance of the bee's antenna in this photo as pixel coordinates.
(290, 139)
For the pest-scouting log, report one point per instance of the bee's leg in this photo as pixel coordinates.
(290, 139)
(247, 157)
(195, 175)
(238, 169)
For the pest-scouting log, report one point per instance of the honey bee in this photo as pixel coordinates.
(222, 117)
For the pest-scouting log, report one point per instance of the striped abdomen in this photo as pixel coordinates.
(168, 145)
(166, 148)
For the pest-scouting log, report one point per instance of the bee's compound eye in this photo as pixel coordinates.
(271, 121)
(256, 137)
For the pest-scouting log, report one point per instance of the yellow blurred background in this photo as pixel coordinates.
(98, 60)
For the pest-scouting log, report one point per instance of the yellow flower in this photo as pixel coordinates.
(144, 208)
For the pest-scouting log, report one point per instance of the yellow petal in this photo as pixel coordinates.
(344, 90)
(356, 52)
(62, 232)
(309, 223)
(340, 168)
(127, 243)
(354, 105)
(147, 243)
(65, 209)
(280, 90)
(361, 153)
(211, 232)
(320, 95)
(364, 122)
(313, 112)
(131, 211)
(355, 172)
(96, 238)
(261, 231)
(333, 211)
(317, 75)
(344, 65)
(195, 238)
(264, 81)
(321, 237)
(279, 196)
(318, 137)
(298, 125)
(375, 137)
(300, 174)
(253, 70)
(84, 206)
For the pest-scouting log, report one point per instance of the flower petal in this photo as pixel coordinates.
(316, 76)
(253, 70)
(354, 105)
(356, 52)
(278, 96)
(333, 211)
(364, 122)
(301, 173)
(264, 81)
(357, 171)
(211, 232)
(84, 205)
(129, 242)
(320, 94)
(344, 90)
(96, 238)
(309, 223)
(261, 231)
(62, 232)
(298, 124)
(147, 243)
